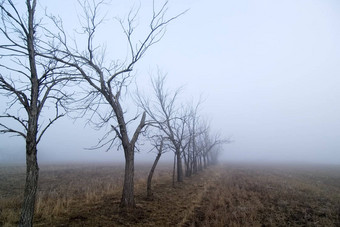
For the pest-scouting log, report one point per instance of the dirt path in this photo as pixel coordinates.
(213, 176)
(170, 206)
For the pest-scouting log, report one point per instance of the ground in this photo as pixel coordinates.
(222, 195)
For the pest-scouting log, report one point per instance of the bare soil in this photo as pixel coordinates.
(224, 195)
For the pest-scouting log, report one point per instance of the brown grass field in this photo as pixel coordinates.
(223, 195)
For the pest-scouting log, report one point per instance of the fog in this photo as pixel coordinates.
(268, 72)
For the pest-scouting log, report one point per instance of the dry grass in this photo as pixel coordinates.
(230, 195)
(272, 196)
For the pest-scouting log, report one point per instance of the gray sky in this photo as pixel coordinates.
(268, 70)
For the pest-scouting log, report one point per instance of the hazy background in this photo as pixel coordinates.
(268, 70)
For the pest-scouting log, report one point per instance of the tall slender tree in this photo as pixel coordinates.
(32, 84)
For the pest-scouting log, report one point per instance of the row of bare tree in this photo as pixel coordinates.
(44, 68)
(179, 129)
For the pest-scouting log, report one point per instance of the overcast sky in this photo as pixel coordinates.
(268, 70)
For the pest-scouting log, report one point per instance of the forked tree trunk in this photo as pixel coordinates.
(31, 185)
(148, 187)
(128, 199)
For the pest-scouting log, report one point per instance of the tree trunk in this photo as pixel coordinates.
(128, 199)
(148, 187)
(173, 171)
(187, 168)
(191, 166)
(185, 164)
(179, 166)
(32, 168)
(200, 163)
(187, 161)
(204, 162)
(31, 185)
(195, 164)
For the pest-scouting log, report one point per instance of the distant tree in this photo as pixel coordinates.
(201, 147)
(107, 82)
(181, 139)
(159, 143)
(209, 147)
(167, 116)
(33, 84)
(193, 131)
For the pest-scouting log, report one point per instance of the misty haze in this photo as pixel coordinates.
(170, 113)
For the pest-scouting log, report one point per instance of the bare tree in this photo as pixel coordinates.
(209, 147)
(193, 131)
(159, 143)
(32, 84)
(166, 115)
(201, 145)
(107, 82)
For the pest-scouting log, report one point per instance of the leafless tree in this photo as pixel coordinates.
(193, 131)
(181, 135)
(201, 145)
(167, 115)
(158, 142)
(209, 147)
(33, 84)
(107, 82)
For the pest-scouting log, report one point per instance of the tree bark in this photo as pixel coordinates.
(31, 185)
(128, 198)
(148, 187)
